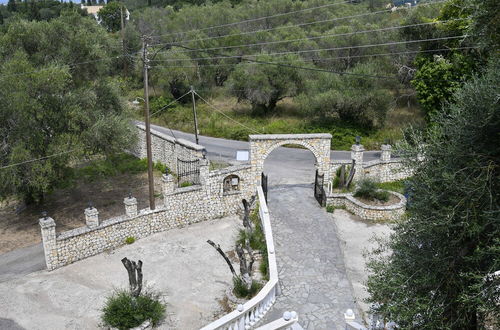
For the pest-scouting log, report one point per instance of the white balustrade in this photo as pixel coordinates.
(251, 312)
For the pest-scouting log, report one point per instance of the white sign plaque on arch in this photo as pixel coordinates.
(242, 155)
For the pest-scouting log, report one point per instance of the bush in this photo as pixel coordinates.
(264, 266)
(123, 311)
(368, 189)
(397, 186)
(240, 289)
(330, 208)
(129, 240)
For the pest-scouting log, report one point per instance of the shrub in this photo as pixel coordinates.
(264, 266)
(330, 208)
(186, 184)
(129, 240)
(241, 291)
(123, 311)
(397, 186)
(368, 189)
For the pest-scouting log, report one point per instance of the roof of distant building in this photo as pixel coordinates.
(92, 9)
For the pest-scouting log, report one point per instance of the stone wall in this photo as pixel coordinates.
(365, 211)
(181, 207)
(165, 148)
(262, 145)
(384, 169)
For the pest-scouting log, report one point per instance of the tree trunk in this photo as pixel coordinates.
(217, 247)
(134, 271)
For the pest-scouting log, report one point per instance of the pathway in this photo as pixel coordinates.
(311, 267)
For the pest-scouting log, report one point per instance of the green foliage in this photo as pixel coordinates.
(330, 208)
(123, 311)
(186, 184)
(52, 108)
(110, 16)
(397, 186)
(264, 265)
(434, 270)
(241, 291)
(368, 189)
(37, 10)
(130, 240)
(264, 85)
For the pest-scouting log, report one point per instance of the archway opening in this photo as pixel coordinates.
(290, 163)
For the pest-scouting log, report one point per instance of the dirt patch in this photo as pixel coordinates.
(393, 199)
(66, 206)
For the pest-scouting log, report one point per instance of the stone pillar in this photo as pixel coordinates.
(357, 155)
(130, 206)
(168, 186)
(204, 171)
(91, 217)
(48, 228)
(386, 153)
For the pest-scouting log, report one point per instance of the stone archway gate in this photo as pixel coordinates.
(262, 145)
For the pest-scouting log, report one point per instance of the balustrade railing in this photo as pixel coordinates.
(249, 313)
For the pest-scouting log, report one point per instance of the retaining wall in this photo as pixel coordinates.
(165, 148)
(365, 211)
(181, 207)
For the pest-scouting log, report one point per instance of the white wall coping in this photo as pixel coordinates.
(351, 198)
(290, 136)
(235, 315)
(229, 170)
(106, 223)
(182, 142)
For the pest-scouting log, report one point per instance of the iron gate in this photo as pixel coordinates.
(263, 183)
(188, 172)
(319, 190)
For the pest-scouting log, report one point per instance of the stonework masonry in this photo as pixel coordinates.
(165, 148)
(365, 211)
(182, 206)
(262, 145)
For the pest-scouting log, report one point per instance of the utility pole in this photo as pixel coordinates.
(194, 115)
(122, 23)
(145, 61)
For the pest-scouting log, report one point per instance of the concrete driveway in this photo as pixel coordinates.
(179, 263)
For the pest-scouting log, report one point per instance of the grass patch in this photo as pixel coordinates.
(397, 186)
(130, 240)
(368, 189)
(287, 118)
(121, 163)
(123, 311)
(241, 291)
(217, 165)
(186, 184)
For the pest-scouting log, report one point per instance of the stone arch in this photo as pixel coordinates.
(262, 145)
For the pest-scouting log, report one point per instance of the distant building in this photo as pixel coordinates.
(93, 10)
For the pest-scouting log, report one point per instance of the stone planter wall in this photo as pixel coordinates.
(365, 211)
(181, 207)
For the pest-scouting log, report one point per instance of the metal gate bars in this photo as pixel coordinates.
(188, 172)
(319, 190)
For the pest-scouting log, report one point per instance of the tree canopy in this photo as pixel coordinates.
(435, 272)
(65, 103)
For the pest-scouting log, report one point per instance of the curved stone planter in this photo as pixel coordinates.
(365, 211)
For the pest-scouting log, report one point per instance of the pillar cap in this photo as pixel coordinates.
(130, 201)
(167, 177)
(357, 147)
(386, 147)
(46, 222)
(91, 211)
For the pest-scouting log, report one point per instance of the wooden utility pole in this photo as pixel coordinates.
(194, 115)
(145, 61)
(122, 23)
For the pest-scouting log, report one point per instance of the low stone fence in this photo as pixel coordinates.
(384, 169)
(182, 206)
(165, 149)
(365, 211)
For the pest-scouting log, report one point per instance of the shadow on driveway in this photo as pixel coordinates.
(21, 262)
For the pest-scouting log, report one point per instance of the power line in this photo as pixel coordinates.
(327, 58)
(225, 115)
(291, 26)
(254, 19)
(319, 37)
(166, 106)
(38, 159)
(310, 50)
